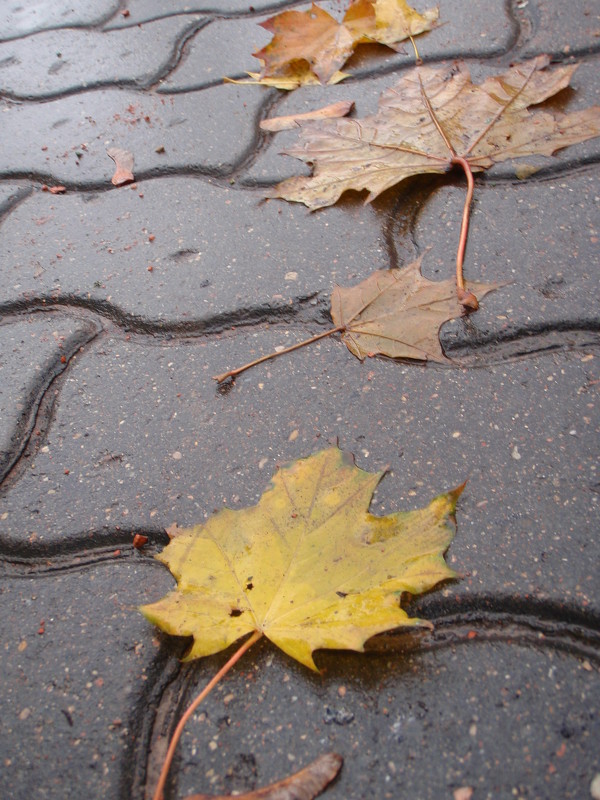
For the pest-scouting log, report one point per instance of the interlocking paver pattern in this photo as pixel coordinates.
(119, 305)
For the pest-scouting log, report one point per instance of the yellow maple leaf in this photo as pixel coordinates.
(308, 567)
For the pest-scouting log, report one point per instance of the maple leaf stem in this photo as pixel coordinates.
(158, 792)
(418, 59)
(465, 297)
(233, 372)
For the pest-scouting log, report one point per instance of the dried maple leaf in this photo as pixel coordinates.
(398, 313)
(313, 43)
(431, 120)
(305, 784)
(394, 312)
(123, 165)
(308, 567)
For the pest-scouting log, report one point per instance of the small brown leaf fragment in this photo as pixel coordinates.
(173, 530)
(303, 785)
(139, 541)
(285, 123)
(463, 793)
(398, 313)
(124, 165)
(54, 189)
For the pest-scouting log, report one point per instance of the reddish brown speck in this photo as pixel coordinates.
(139, 541)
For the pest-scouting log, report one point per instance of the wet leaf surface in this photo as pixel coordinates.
(308, 566)
(398, 313)
(313, 44)
(428, 121)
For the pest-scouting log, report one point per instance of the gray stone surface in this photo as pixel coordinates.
(145, 454)
(509, 719)
(147, 10)
(211, 131)
(20, 19)
(33, 352)
(232, 254)
(578, 30)
(71, 60)
(78, 673)
(540, 237)
(119, 305)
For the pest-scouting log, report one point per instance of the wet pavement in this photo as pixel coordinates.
(120, 304)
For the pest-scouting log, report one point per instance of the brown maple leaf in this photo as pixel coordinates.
(398, 313)
(394, 312)
(312, 43)
(432, 119)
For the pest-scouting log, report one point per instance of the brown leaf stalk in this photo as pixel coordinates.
(162, 779)
(466, 298)
(233, 372)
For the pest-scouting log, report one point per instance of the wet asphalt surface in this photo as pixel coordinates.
(118, 305)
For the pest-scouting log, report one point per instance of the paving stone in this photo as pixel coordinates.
(10, 194)
(78, 671)
(504, 718)
(164, 445)
(148, 10)
(503, 696)
(33, 351)
(546, 30)
(233, 254)
(65, 141)
(270, 166)
(244, 37)
(71, 60)
(206, 50)
(541, 237)
(19, 19)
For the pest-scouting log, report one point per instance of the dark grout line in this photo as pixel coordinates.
(151, 84)
(178, 51)
(111, 545)
(129, 323)
(155, 716)
(38, 412)
(15, 201)
(507, 608)
(542, 338)
(98, 25)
